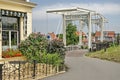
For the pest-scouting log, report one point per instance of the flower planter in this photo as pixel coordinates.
(10, 56)
(17, 55)
(6, 56)
(9, 53)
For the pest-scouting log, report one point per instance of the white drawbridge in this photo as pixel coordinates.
(85, 17)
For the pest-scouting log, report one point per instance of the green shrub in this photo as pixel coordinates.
(33, 46)
(56, 46)
(37, 47)
(53, 59)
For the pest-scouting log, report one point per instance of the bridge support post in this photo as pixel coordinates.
(89, 31)
(64, 30)
(101, 26)
(80, 34)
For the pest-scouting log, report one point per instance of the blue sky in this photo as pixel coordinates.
(44, 23)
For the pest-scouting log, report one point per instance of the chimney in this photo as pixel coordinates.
(27, 1)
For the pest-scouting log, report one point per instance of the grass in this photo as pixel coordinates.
(111, 54)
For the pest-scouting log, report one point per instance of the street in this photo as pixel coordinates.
(85, 68)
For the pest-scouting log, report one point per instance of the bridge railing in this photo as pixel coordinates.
(72, 47)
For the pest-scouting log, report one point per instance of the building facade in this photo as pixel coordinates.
(15, 22)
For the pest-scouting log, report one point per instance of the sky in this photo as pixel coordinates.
(46, 22)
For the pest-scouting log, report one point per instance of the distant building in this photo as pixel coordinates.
(84, 37)
(15, 22)
(107, 36)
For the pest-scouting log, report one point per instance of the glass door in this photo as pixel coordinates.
(9, 39)
(14, 39)
(5, 39)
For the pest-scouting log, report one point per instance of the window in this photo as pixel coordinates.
(9, 23)
(10, 31)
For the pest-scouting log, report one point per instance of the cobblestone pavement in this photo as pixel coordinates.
(84, 68)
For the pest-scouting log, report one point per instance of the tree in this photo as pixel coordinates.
(71, 36)
(60, 36)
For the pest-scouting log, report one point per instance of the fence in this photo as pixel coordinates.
(23, 69)
(101, 45)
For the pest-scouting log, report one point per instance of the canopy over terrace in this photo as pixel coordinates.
(84, 16)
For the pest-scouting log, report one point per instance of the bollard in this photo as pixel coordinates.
(105, 47)
(90, 50)
(1, 71)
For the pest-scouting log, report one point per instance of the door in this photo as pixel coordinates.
(14, 39)
(9, 39)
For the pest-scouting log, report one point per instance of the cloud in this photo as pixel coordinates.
(105, 9)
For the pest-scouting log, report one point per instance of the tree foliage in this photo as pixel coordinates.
(60, 36)
(71, 36)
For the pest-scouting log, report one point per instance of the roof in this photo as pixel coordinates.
(20, 2)
(69, 10)
(106, 33)
(97, 33)
(78, 33)
(111, 34)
